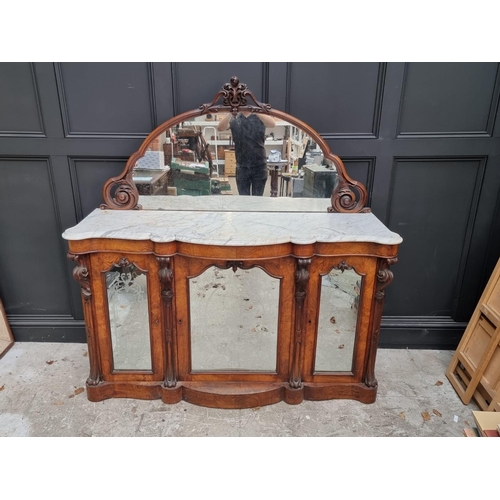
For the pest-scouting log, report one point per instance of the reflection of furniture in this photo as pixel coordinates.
(171, 245)
(190, 178)
(275, 167)
(297, 190)
(229, 163)
(319, 181)
(151, 182)
(474, 370)
(216, 164)
(191, 145)
(285, 178)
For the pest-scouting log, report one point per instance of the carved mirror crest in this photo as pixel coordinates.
(188, 153)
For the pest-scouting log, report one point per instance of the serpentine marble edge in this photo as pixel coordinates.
(236, 228)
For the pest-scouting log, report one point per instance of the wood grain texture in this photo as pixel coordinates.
(6, 337)
(231, 395)
(82, 275)
(101, 263)
(474, 370)
(172, 378)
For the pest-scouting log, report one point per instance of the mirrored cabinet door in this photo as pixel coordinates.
(339, 307)
(127, 297)
(130, 319)
(234, 320)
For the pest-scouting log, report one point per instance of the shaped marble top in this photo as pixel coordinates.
(213, 226)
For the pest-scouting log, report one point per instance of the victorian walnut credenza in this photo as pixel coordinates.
(232, 301)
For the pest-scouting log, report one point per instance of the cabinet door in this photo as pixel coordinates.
(340, 307)
(128, 317)
(233, 319)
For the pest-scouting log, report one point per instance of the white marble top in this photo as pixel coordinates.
(232, 228)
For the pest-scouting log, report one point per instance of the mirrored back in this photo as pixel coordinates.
(235, 149)
(204, 156)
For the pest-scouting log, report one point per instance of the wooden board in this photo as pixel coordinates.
(229, 163)
(6, 337)
(495, 403)
(486, 421)
(474, 370)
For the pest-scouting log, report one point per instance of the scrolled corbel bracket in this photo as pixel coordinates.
(82, 277)
(301, 280)
(120, 193)
(166, 276)
(349, 196)
(384, 279)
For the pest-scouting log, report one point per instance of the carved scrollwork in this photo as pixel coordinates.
(348, 196)
(121, 193)
(235, 96)
(384, 279)
(81, 275)
(343, 266)
(301, 280)
(166, 275)
(123, 262)
(234, 265)
(166, 278)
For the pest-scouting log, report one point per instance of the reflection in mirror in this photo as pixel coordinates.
(127, 292)
(198, 158)
(234, 320)
(338, 316)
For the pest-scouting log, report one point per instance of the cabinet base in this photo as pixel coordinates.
(231, 395)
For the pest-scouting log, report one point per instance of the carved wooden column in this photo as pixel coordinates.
(384, 279)
(81, 275)
(166, 279)
(301, 280)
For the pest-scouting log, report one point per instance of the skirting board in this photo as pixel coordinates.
(397, 332)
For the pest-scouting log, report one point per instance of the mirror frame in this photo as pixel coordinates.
(120, 193)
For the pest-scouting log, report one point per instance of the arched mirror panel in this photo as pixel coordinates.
(238, 148)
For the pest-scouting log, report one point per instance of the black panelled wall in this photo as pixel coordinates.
(423, 137)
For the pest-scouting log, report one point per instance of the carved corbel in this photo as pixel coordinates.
(166, 276)
(81, 275)
(384, 279)
(301, 280)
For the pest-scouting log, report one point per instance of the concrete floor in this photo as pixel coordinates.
(42, 394)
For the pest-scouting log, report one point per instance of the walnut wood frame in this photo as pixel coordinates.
(299, 268)
(120, 193)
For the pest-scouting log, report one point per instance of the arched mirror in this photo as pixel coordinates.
(240, 154)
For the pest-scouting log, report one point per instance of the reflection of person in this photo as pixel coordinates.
(249, 136)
